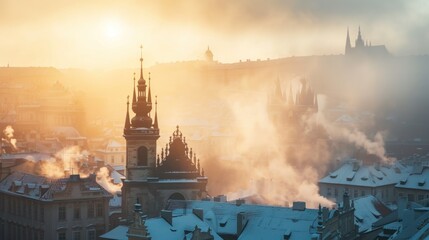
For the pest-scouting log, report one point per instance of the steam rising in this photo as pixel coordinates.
(261, 163)
(8, 133)
(104, 179)
(69, 161)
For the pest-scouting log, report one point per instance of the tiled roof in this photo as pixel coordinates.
(42, 188)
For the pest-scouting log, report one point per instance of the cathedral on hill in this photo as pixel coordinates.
(364, 48)
(151, 179)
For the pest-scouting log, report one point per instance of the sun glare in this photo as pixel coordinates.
(113, 29)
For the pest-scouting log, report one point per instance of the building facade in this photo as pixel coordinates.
(37, 208)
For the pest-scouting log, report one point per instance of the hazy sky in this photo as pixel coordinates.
(108, 33)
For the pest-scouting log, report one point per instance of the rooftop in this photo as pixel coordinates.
(356, 173)
(42, 188)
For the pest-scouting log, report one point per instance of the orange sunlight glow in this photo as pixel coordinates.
(113, 29)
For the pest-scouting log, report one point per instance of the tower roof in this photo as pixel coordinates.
(177, 160)
(141, 106)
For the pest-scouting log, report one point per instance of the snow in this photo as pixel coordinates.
(367, 175)
(118, 233)
(417, 180)
(368, 210)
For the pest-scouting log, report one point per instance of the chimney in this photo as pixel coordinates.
(199, 213)
(241, 222)
(167, 216)
(298, 206)
(238, 202)
(74, 177)
(346, 201)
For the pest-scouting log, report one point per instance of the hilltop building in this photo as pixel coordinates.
(175, 174)
(364, 48)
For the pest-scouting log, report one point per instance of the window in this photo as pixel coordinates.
(42, 213)
(90, 210)
(76, 235)
(35, 216)
(335, 192)
(99, 209)
(142, 156)
(91, 234)
(62, 213)
(421, 197)
(329, 191)
(362, 193)
(355, 193)
(112, 159)
(411, 197)
(61, 236)
(76, 211)
(122, 158)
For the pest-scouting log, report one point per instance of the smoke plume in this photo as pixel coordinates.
(104, 179)
(8, 133)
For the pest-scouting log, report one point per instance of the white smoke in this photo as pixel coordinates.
(104, 179)
(8, 133)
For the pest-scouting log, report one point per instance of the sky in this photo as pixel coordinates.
(107, 34)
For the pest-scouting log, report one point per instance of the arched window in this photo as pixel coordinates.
(176, 196)
(142, 156)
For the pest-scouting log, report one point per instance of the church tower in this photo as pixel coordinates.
(141, 134)
(174, 175)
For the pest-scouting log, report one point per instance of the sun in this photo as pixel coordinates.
(112, 29)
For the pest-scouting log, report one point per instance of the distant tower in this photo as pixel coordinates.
(359, 41)
(209, 55)
(348, 44)
(141, 136)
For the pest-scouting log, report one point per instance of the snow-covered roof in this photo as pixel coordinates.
(182, 224)
(118, 233)
(264, 222)
(355, 173)
(42, 188)
(418, 179)
(368, 210)
(260, 222)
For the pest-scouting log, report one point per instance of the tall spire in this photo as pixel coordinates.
(134, 90)
(348, 44)
(141, 61)
(141, 107)
(359, 40)
(127, 117)
(155, 124)
(149, 96)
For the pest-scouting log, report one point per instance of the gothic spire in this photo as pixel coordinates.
(134, 90)
(149, 96)
(155, 124)
(141, 61)
(348, 44)
(141, 107)
(127, 117)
